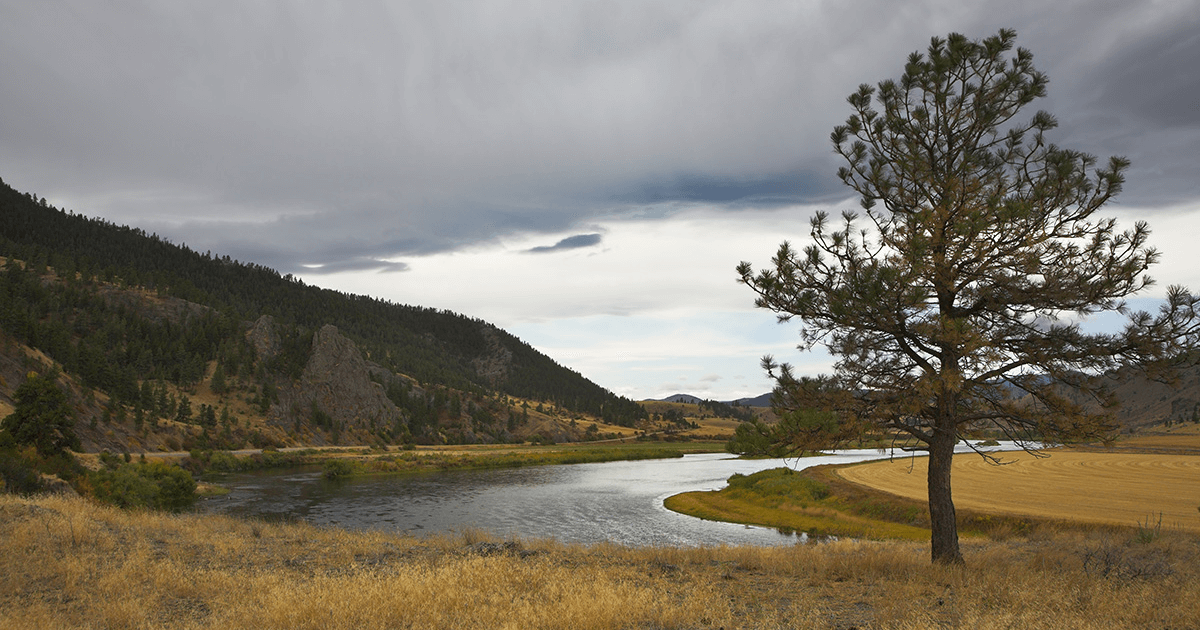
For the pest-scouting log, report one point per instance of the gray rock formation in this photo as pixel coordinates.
(496, 363)
(337, 379)
(264, 336)
(153, 307)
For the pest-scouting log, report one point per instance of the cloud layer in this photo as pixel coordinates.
(338, 139)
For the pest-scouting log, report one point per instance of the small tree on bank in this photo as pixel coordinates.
(944, 311)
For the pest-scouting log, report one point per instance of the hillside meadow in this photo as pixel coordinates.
(70, 563)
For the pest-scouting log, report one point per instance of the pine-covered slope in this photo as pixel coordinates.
(118, 308)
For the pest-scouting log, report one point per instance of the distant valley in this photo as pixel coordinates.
(159, 347)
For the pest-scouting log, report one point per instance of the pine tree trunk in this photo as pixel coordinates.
(944, 539)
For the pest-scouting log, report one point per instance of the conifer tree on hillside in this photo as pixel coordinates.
(42, 416)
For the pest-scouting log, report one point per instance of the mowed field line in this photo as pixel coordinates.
(1114, 488)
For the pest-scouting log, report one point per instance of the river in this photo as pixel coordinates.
(619, 502)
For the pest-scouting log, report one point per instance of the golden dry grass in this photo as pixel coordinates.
(67, 563)
(1113, 488)
(1185, 438)
(722, 428)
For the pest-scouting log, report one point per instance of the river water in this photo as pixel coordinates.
(619, 502)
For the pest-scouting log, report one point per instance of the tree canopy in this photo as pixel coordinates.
(112, 345)
(42, 417)
(952, 307)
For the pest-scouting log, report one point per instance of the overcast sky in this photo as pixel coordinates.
(585, 175)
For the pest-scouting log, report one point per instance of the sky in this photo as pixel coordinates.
(585, 175)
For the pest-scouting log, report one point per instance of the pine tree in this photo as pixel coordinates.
(945, 310)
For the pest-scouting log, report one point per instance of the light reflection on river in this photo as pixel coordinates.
(620, 502)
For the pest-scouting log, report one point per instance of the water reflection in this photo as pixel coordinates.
(620, 502)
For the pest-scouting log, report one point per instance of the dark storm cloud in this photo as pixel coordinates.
(760, 191)
(571, 242)
(1158, 79)
(344, 133)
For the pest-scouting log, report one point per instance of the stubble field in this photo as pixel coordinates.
(1120, 488)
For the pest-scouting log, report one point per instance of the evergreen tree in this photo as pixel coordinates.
(980, 235)
(42, 416)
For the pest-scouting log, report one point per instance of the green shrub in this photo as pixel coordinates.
(110, 461)
(18, 475)
(152, 485)
(223, 461)
(337, 468)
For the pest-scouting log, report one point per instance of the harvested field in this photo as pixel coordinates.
(1112, 488)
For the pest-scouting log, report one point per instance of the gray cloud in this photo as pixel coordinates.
(342, 134)
(571, 242)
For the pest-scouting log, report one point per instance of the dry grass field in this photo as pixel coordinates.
(714, 428)
(68, 563)
(1121, 488)
(1181, 439)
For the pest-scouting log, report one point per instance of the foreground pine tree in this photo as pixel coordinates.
(944, 306)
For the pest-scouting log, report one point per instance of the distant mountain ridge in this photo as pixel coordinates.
(763, 400)
(1145, 403)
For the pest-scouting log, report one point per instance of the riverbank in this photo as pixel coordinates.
(427, 460)
(809, 501)
(342, 461)
(886, 499)
(822, 502)
(67, 562)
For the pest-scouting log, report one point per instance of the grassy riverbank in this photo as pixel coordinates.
(821, 502)
(886, 499)
(67, 562)
(802, 501)
(510, 457)
(350, 461)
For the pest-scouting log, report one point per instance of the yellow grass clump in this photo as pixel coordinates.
(1111, 488)
(68, 563)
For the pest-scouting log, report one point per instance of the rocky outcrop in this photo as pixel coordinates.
(337, 380)
(52, 484)
(496, 363)
(153, 307)
(264, 336)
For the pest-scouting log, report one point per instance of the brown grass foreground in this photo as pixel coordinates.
(69, 563)
(1122, 488)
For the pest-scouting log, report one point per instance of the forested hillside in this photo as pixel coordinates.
(138, 319)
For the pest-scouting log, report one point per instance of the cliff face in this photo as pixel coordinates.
(337, 380)
(264, 337)
(496, 363)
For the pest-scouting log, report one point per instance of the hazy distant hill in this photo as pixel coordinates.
(125, 312)
(763, 400)
(1145, 403)
(681, 398)
(758, 401)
